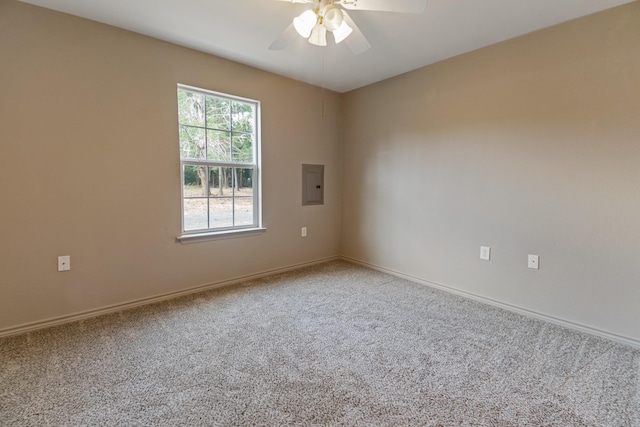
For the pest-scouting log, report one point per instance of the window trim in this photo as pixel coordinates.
(234, 231)
(219, 235)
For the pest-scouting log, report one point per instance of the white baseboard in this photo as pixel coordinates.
(55, 321)
(47, 323)
(509, 307)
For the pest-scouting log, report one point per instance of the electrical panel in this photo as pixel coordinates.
(312, 185)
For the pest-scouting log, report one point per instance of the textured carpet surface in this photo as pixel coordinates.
(334, 344)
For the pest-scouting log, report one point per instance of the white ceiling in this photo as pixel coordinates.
(242, 30)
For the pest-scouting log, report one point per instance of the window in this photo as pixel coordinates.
(219, 158)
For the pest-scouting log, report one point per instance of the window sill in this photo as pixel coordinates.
(219, 235)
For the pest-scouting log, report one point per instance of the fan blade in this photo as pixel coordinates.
(401, 6)
(356, 41)
(285, 39)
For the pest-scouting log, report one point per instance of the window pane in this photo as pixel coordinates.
(194, 184)
(243, 211)
(212, 176)
(243, 147)
(221, 205)
(218, 145)
(190, 108)
(192, 143)
(221, 212)
(195, 214)
(243, 181)
(218, 113)
(220, 181)
(243, 117)
(243, 197)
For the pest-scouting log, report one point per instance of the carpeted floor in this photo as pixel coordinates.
(335, 344)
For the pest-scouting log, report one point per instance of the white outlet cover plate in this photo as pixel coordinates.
(534, 262)
(485, 253)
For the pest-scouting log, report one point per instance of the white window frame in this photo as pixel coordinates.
(214, 232)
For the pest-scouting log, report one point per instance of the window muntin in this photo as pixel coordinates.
(219, 153)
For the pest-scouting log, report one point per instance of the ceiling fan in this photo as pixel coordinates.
(332, 16)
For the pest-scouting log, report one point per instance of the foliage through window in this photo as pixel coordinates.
(219, 157)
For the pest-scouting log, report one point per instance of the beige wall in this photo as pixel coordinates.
(89, 167)
(531, 146)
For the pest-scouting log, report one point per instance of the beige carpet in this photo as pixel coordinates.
(335, 344)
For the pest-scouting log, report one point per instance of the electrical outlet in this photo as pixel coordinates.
(64, 263)
(534, 262)
(303, 233)
(485, 253)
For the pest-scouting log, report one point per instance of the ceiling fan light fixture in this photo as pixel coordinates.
(305, 22)
(318, 35)
(342, 32)
(332, 17)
